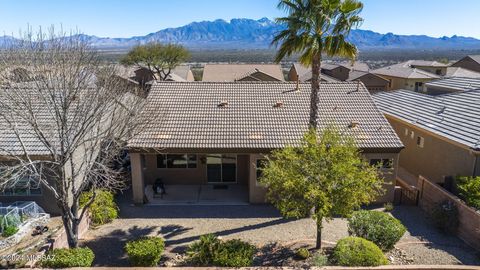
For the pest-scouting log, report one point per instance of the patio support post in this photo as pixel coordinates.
(138, 185)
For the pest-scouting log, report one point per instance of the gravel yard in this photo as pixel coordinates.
(264, 227)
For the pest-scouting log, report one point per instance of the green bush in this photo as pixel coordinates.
(356, 251)
(445, 216)
(302, 254)
(145, 251)
(211, 251)
(65, 258)
(378, 227)
(469, 190)
(319, 260)
(103, 209)
(9, 231)
(234, 253)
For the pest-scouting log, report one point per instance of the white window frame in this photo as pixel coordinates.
(420, 141)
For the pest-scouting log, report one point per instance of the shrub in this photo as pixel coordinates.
(445, 216)
(211, 251)
(319, 260)
(103, 209)
(234, 253)
(145, 251)
(469, 190)
(9, 231)
(356, 251)
(388, 207)
(378, 227)
(302, 254)
(65, 258)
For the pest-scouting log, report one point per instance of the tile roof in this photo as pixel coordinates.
(454, 116)
(461, 72)
(455, 84)
(405, 70)
(305, 74)
(231, 72)
(475, 58)
(423, 63)
(356, 74)
(356, 66)
(190, 115)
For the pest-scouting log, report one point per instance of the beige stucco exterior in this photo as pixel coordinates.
(403, 83)
(438, 158)
(145, 172)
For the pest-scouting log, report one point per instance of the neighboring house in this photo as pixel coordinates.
(356, 66)
(242, 72)
(303, 74)
(406, 76)
(470, 62)
(373, 82)
(450, 85)
(453, 72)
(336, 71)
(217, 133)
(181, 73)
(434, 67)
(441, 134)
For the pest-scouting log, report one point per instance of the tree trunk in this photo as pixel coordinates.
(314, 98)
(319, 234)
(71, 225)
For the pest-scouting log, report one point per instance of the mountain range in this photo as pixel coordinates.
(258, 34)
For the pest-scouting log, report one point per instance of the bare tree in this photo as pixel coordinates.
(65, 129)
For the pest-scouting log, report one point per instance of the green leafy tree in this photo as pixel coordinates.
(314, 27)
(469, 190)
(158, 58)
(324, 177)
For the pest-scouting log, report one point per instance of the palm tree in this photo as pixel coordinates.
(314, 27)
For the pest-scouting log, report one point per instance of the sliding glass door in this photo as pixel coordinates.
(221, 168)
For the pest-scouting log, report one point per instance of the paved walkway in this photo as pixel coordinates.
(260, 225)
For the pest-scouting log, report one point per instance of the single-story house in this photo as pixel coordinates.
(217, 133)
(242, 72)
(301, 73)
(450, 85)
(406, 76)
(441, 134)
(373, 82)
(470, 62)
(336, 71)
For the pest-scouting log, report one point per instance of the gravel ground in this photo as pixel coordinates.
(262, 226)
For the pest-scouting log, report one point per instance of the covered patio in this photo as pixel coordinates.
(199, 195)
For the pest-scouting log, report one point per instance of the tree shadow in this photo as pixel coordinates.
(109, 249)
(273, 255)
(420, 226)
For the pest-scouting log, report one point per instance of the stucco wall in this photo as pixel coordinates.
(340, 73)
(437, 159)
(389, 175)
(374, 83)
(401, 83)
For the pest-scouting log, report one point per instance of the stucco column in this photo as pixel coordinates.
(138, 186)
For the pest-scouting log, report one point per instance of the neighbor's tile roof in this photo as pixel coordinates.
(405, 70)
(461, 72)
(475, 58)
(454, 116)
(455, 84)
(356, 74)
(305, 74)
(231, 72)
(356, 66)
(188, 115)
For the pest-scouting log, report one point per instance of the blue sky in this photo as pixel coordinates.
(125, 18)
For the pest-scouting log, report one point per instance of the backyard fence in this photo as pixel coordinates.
(431, 194)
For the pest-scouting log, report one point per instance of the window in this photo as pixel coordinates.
(406, 132)
(382, 163)
(260, 164)
(24, 187)
(390, 83)
(177, 161)
(438, 72)
(420, 141)
(412, 134)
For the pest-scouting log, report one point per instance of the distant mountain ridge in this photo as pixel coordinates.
(258, 34)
